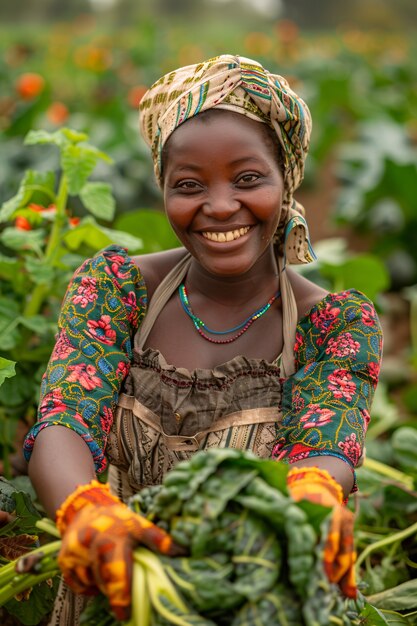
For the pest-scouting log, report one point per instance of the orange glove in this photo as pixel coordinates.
(317, 485)
(99, 533)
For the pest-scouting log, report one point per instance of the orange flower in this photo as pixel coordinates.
(22, 223)
(57, 113)
(74, 221)
(38, 208)
(29, 85)
(135, 95)
(287, 31)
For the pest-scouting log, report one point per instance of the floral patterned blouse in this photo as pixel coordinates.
(326, 403)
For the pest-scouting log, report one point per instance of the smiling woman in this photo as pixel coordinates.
(230, 347)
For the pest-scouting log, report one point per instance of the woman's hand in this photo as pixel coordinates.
(98, 536)
(317, 485)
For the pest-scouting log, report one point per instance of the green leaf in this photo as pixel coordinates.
(7, 369)
(98, 237)
(77, 163)
(9, 315)
(37, 323)
(98, 199)
(370, 616)
(16, 391)
(17, 239)
(365, 272)
(87, 232)
(43, 136)
(126, 240)
(39, 270)
(400, 598)
(20, 504)
(19, 200)
(404, 445)
(151, 226)
(72, 135)
(9, 266)
(40, 603)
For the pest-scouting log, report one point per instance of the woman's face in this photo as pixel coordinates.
(223, 191)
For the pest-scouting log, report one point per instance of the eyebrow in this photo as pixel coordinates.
(194, 167)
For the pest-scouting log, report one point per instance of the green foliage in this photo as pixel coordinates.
(38, 233)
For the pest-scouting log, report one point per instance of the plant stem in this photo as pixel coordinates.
(389, 472)
(48, 526)
(35, 302)
(400, 536)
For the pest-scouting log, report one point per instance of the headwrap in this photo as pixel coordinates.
(238, 84)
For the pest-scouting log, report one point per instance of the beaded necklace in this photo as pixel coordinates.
(241, 328)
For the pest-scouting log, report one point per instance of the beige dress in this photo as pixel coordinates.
(167, 413)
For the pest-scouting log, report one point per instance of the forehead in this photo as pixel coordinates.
(220, 129)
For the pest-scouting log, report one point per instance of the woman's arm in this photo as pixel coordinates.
(60, 461)
(337, 468)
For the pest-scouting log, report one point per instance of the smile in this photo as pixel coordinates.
(230, 235)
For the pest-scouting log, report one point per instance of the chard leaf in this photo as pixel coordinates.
(400, 598)
(38, 605)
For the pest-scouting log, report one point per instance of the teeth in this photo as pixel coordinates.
(230, 235)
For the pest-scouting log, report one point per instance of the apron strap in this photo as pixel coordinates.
(160, 297)
(175, 277)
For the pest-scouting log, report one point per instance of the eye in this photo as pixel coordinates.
(188, 185)
(248, 178)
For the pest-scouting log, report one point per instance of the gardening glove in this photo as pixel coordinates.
(99, 533)
(317, 485)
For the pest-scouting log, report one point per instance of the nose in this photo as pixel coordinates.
(221, 204)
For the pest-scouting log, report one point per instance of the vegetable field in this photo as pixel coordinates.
(75, 176)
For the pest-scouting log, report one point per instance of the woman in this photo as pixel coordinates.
(231, 348)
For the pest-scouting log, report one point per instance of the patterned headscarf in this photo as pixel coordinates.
(237, 84)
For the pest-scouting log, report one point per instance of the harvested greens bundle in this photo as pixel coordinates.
(254, 555)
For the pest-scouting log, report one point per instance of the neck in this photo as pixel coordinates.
(260, 282)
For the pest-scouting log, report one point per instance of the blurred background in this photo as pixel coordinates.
(86, 64)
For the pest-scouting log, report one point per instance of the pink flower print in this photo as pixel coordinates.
(341, 384)
(116, 261)
(316, 416)
(102, 330)
(122, 369)
(106, 419)
(366, 419)
(277, 452)
(299, 341)
(131, 306)
(368, 314)
(86, 292)
(325, 319)
(343, 345)
(351, 448)
(298, 401)
(52, 404)
(373, 371)
(84, 374)
(340, 296)
(63, 347)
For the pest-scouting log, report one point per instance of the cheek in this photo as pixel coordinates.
(179, 213)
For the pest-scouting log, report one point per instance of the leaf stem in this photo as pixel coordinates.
(389, 472)
(400, 536)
